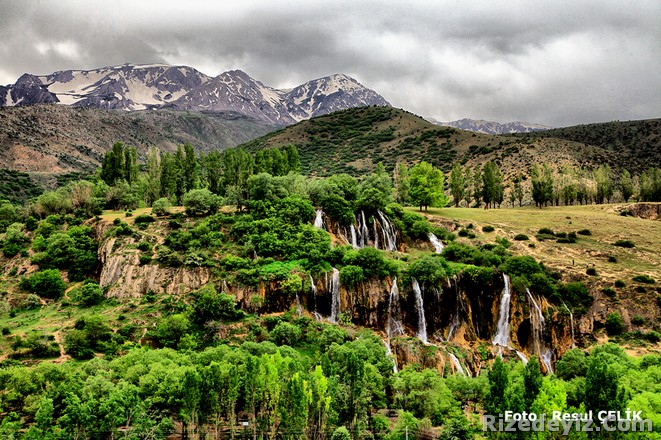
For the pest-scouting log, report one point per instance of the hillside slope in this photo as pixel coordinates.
(355, 140)
(61, 139)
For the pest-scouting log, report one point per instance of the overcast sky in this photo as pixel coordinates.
(553, 62)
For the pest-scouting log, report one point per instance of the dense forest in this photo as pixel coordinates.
(275, 328)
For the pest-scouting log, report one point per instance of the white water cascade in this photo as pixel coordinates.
(376, 236)
(313, 289)
(457, 365)
(334, 289)
(537, 323)
(571, 321)
(391, 355)
(364, 232)
(522, 356)
(457, 312)
(420, 305)
(387, 231)
(354, 238)
(502, 337)
(319, 219)
(394, 327)
(438, 244)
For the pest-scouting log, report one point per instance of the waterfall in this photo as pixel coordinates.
(522, 356)
(503, 334)
(391, 355)
(364, 231)
(571, 321)
(537, 322)
(313, 289)
(388, 232)
(319, 219)
(354, 240)
(226, 288)
(419, 301)
(376, 236)
(298, 305)
(457, 365)
(334, 289)
(438, 244)
(457, 311)
(394, 326)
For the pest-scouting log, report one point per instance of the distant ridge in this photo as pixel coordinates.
(156, 86)
(490, 127)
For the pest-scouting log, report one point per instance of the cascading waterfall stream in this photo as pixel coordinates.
(319, 219)
(334, 289)
(387, 231)
(502, 337)
(571, 321)
(438, 244)
(522, 356)
(457, 364)
(456, 320)
(394, 326)
(313, 289)
(391, 355)
(376, 236)
(364, 235)
(354, 238)
(537, 322)
(420, 305)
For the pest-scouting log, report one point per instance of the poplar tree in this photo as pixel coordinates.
(457, 183)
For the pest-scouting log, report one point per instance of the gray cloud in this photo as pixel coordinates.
(559, 63)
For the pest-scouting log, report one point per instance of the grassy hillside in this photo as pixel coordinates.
(637, 141)
(62, 139)
(354, 141)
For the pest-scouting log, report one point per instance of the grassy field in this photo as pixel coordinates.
(603, 221)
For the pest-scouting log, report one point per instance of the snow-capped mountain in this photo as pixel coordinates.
(490, 127)
(153, 86)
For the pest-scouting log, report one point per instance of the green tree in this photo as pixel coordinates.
(154, 170)
(200, 202)
(492, 188)
(191, 168)
(47, 283)
(498, 383)
(457, 183)
(427, 186)
(626, 185)
(237, 168)
(532, 381)
(468, 178)
(294, 407)
(112, 166)
(605, 186)
(402, 183)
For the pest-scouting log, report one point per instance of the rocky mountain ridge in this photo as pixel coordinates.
(491, 127)
(155, 86)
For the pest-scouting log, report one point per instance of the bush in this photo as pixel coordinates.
(521, 266)
(619, 283)
(47, 283)
(89, 295)
(463, 233)
(160, 207)
(614, 324)
(200, 202)
(612, 259)
(488, 228)
(584, 232)
(591, 271)
(521, 237)
(351, 275)
(285, 334)
(209, 305)
(637, 320)
(643, 279)
(546, 231)
(144, 219)
(341, 433)
(429, 269)
(624, 243)
(144, 259)
(611, 293)
(144, 246)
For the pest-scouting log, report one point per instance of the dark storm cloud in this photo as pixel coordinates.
(554, 62)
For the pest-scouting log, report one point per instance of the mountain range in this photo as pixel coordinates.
(160, 86)
(490, 127)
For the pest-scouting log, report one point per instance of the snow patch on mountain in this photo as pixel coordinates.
(490, 127)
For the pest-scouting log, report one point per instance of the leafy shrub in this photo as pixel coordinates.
(209, 305)
(612, 259)
(462, 253)
(144, 259)
(591, 271)
(643, 279)
(351, 275)
(160, 207)
(521, 237)
(430, 269)
(170, 330)
(144, 219)
(619, 283)
(90, 294)
(144, 246)
(572, 364)
(614, 324)
(200, 202)
(624, 243)
(372, 261)
(584, 232)
(285, 333)
(609, 292)
(90, 334)
(46, 283)
(546, 231)
(463, 233)
(637, 320)
(488, 228)
(521, 266)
